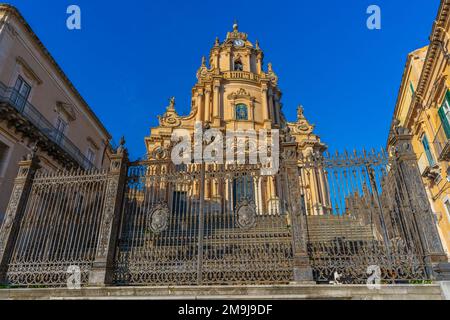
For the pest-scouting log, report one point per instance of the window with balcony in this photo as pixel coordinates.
(90, 155)
(21, 92)
(3, 156)
(444, 115)
(426, 147)
(241, 112)
(447, 207)
(61, 127)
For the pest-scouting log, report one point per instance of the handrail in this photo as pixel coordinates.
(31, 113)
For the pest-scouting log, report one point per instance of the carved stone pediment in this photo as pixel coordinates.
(28, 71)
(241, 94)
(66, 109)
(439, 90)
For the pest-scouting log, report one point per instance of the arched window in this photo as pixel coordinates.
(238, 66)
(241, 112)
(243, 189)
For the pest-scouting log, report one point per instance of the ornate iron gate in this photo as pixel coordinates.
(203, 224)
(59, 228)
(365, 221)
(336, 218)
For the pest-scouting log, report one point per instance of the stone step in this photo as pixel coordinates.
(271, 292)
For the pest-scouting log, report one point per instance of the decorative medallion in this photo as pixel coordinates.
(158, 218)
(159, 153)
(246, 214)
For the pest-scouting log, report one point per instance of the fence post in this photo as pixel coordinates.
(302, 267)
(15, 210)
(101, 273)
(422, 216)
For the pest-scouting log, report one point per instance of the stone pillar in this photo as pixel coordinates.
(277, 110)
(259, 63)
(15, 211)
(101, 273)
(271, 109)
(422, 216)
(208, 105)
(265, 106)
(302, 267)
(216, 103)
(198, 102)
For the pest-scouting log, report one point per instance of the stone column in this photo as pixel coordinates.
(15, 211)
(216, 103)
(277, 109)
(265, 106)
(408, 175)
(208, 105)
(101, 273)
(302, 267)
(271, 109)
(198, 102)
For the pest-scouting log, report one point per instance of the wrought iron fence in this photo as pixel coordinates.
(362, 220)
(196, 225)
(59, 228)
(156, 223)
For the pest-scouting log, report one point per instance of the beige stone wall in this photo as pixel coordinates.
(52, 94)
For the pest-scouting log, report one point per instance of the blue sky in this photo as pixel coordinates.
(131, 56)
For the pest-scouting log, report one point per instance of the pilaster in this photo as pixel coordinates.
(101, 273)
(409, 176)
(302, 267)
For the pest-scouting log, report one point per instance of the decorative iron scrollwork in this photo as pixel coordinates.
(246, 214)
(158, 218)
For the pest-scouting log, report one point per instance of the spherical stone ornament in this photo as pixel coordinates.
(246, 215)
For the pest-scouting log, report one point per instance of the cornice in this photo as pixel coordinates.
(438, 36)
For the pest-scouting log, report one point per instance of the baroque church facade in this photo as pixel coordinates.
(235, 92)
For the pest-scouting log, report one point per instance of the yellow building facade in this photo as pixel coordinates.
(236, 92)
(423, 107)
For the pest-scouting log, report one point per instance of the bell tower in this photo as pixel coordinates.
(234, 91)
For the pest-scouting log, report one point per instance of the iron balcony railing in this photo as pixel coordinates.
(442, 144)
(28, 111)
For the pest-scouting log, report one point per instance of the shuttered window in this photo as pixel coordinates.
(444, 114)
(426, 147)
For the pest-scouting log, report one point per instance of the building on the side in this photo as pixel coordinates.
(423, 107)
(40, 109)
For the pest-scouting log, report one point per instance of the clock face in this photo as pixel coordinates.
(238, 43)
